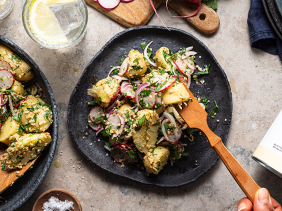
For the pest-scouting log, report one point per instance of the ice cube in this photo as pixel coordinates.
(68, 15)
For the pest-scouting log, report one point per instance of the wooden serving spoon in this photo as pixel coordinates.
(196, 117)
(7, 178)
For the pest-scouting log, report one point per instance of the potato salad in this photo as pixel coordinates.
(134, 106)
(24, 116)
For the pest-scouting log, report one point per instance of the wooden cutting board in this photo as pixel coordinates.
(139, 12)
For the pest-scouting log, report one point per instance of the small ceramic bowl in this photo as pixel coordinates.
(60, 194)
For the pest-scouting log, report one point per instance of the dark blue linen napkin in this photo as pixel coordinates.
(261, 33)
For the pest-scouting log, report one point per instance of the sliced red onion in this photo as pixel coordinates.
(122, 124)
(137, 82)
(159, 141)
(115, 95)
(96, 112)
(40, 90)
(164, 131)
(99, 130)
(143, 86)
(162, 117)
(120, 79)
(109, 109)
(146, 55)
(11, 105)
(177, 132)
(124, 66)
(189, 81)
(114, 68)
(177, 116)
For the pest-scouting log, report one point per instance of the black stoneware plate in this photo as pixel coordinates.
(274, 16)
(25, 186)
(216, 87)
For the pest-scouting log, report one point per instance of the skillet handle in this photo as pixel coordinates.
(243, 179)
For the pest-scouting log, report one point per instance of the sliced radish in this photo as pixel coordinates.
(5, 65)
(124, 66)
(166, 84)
(124, 85)
(129, 92)
(2, 100)
(181, 66)
(96, 112)
(114, 121)
(108, 4)
(115, 96)
(191, 65)
(126, 0)
(148, 101)
(95, 127)
(6, 79)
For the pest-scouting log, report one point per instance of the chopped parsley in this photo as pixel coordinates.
(2, 166)
(213, 110)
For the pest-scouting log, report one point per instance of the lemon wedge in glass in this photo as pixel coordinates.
(44, 24)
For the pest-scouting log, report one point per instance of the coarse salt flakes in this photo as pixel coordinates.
(54, 204)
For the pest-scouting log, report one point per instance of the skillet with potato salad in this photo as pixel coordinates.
(24, 116)
(134, 108)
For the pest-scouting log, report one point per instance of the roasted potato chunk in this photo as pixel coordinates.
(177, 93)
(9, 128)
(21, 70)
(18, 87)
(162, 58)
(155, 159)
(25, 149)
(145, 130)
(104, 91)
(137, 65)
(35, 114)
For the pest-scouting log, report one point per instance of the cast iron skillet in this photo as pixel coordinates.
(216, 87)
(24, 187)
(272, 9)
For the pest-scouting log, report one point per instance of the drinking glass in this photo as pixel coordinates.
(55, 24)
(6, 7)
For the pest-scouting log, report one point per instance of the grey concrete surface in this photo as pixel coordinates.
(255, 78)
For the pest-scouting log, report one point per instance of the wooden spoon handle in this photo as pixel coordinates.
(244, 180)
(206, 21)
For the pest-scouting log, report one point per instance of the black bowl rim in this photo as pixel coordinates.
(271, 20)
(52, 147)
(99, 52)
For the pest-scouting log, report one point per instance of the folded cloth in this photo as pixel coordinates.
(261, 33)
